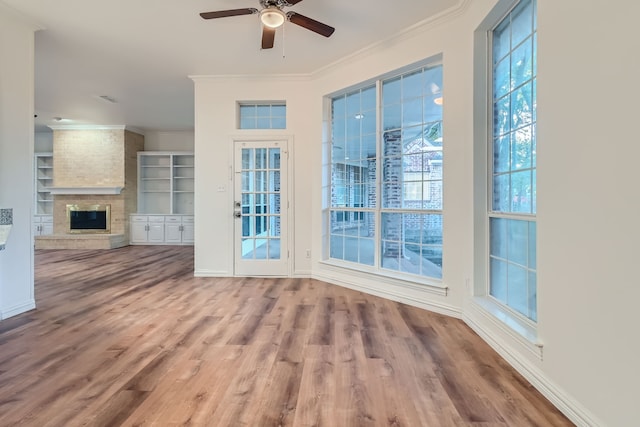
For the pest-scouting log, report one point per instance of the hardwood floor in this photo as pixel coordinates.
(129, 337)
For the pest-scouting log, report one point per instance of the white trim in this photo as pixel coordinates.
(481, 311)
(18, 309)
(302, 274)
(411, 31)
(287, 141)
(569, 406)
(211, 273)
(85, 190)
(24, 19)
(395, 293)
(95, 127)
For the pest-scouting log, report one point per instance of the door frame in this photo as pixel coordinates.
(286, 142)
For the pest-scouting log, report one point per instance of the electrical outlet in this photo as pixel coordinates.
(308, 253)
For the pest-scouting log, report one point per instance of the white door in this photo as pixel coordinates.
(261, 208)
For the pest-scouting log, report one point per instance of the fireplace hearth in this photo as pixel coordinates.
(89, 219)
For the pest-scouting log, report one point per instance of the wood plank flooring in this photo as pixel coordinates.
(129, 337)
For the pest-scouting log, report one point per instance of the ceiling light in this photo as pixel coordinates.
(108, 98)
(272, 17)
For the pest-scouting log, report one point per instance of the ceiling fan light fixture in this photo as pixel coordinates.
(272, 17)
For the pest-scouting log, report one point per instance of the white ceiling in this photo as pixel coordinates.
(141, 52)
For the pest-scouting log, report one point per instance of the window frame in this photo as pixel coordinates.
(377, 210)
(240, 118)
(511, 324)
(492, 212)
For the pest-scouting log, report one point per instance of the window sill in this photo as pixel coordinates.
(508, 323)
(414, 282)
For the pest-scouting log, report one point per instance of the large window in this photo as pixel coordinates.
(386, 174)
(512, 207)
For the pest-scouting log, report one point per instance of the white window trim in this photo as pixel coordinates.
(511, 324)
(376, 269)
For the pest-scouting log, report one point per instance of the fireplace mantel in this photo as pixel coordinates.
(85, 190)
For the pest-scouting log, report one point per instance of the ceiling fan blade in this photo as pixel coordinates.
(230, 12)
(268, 36)
(310, 24)
(292, 2)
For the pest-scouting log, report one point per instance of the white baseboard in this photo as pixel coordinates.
(211, 273)
(573, 410)
(395, 294)
(17, 309)
(303, 274)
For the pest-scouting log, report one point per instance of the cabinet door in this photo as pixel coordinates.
(172, 233)
(138, 232)
(47, 229)
(156, 233)
(188, 235)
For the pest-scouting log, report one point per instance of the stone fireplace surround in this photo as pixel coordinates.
(93, 166)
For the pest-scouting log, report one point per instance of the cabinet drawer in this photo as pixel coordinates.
(157, 218)
(47, 219)
(187, 219)
(173, 219)
(139, 218)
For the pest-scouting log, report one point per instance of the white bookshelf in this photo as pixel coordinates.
(165, 182)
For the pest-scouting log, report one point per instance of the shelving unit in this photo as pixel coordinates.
(165, 183)
(165, 199)
(43, 209)
(44, 180)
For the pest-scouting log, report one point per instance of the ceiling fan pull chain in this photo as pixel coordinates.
(283, 27)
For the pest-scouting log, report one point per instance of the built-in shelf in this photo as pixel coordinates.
(166, 182)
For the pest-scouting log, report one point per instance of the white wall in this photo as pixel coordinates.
(168, 141)
(215, 124)
(43, 142)
(588, 225)
(588, 201)
(16, 161)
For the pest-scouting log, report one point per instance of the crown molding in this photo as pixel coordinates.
(422, 26)
(17, 15)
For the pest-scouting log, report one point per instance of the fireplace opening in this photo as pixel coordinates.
(89, 218)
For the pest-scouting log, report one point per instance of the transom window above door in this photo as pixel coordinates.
(267, 115)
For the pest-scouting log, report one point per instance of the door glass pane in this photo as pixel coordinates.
(274, 249)
(261, 200)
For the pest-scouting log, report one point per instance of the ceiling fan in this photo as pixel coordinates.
(272, 16)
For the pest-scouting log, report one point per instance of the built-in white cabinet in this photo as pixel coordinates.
(165, 199)
(43, 176)
(147, 229)
(178, 229)
(161, 229)
(42, 225)
(165, 182)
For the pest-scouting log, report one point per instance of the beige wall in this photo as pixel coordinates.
(88, 158)
(96, 158)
